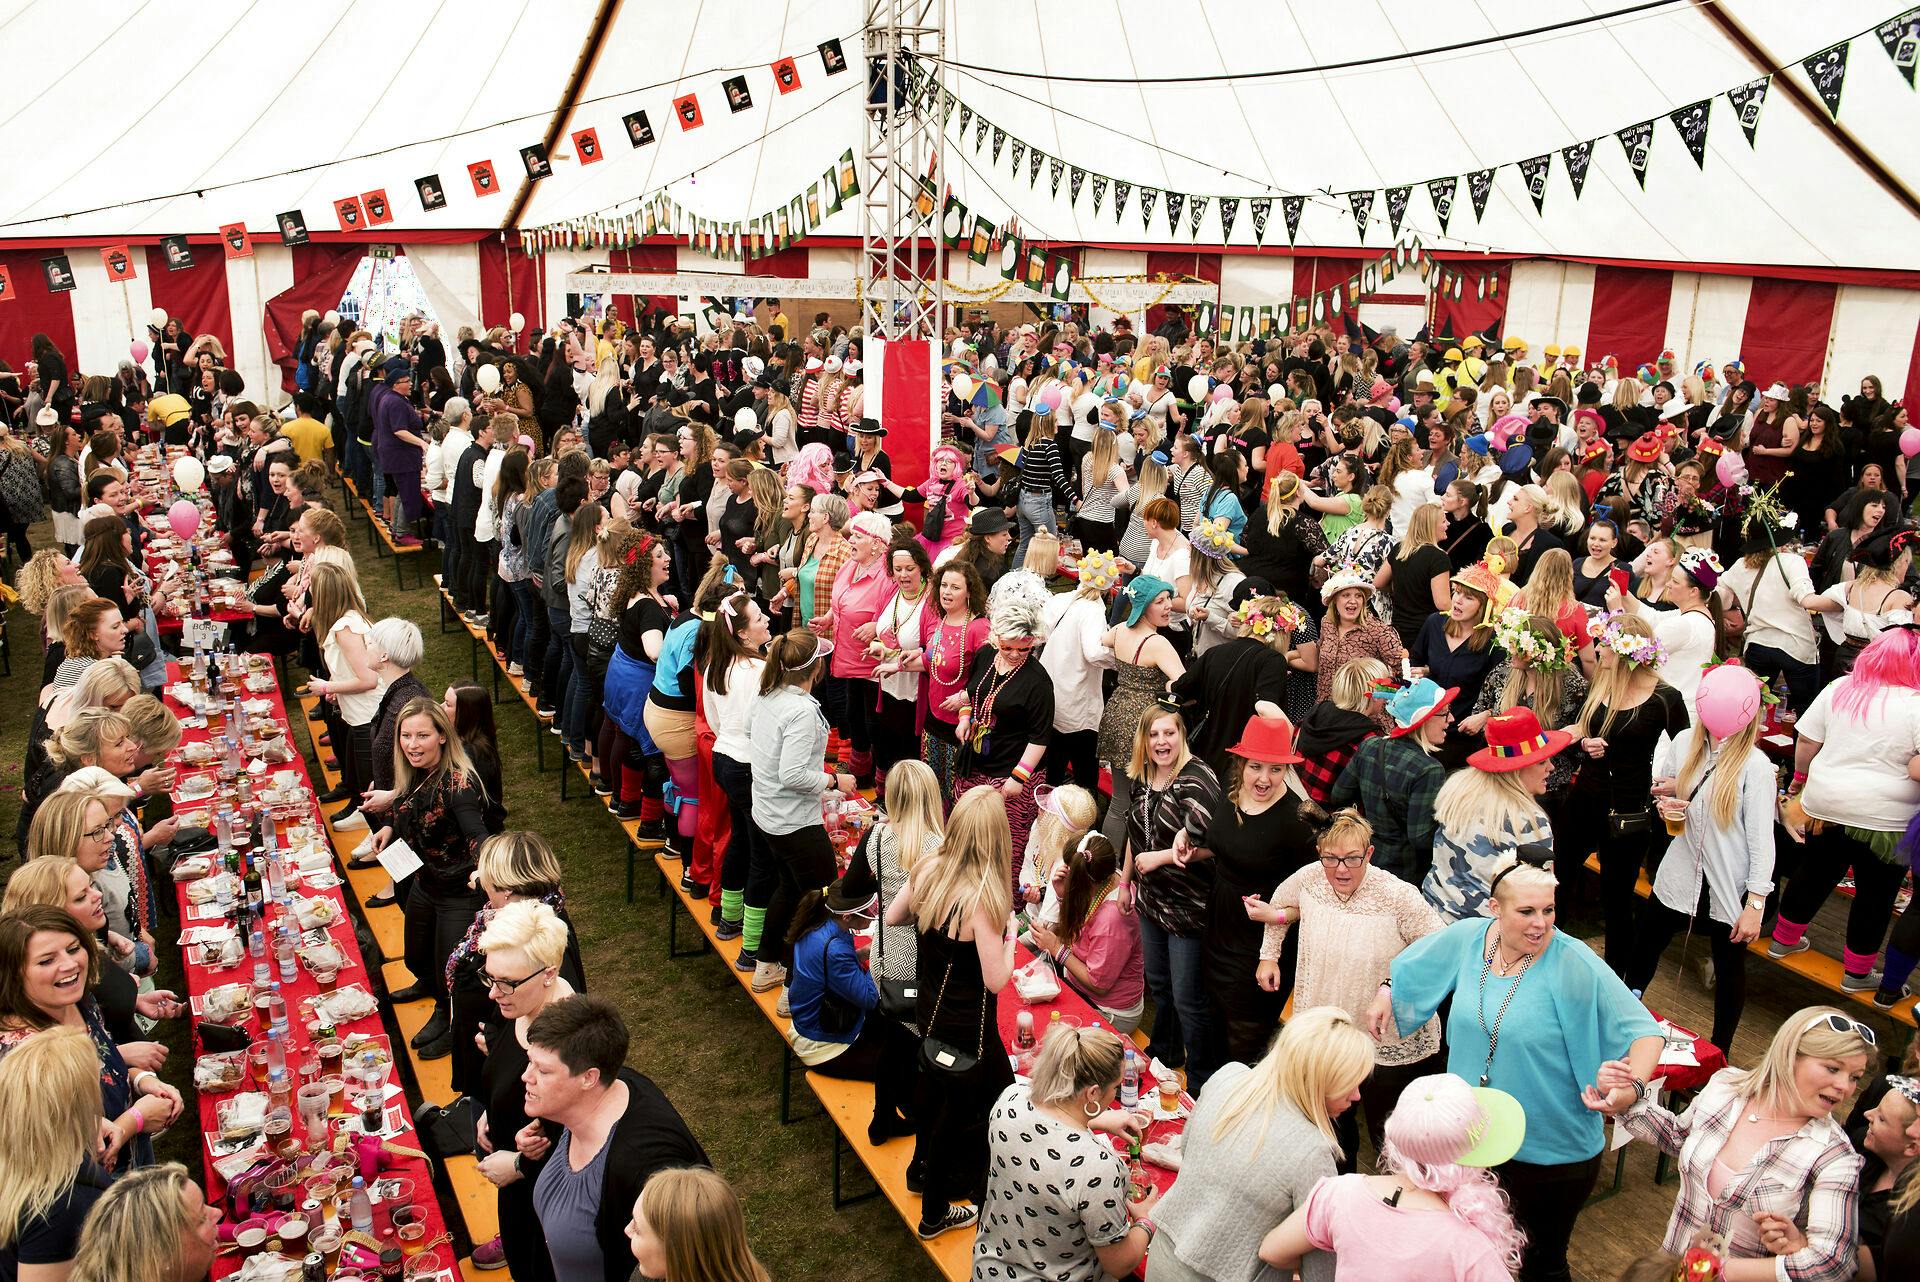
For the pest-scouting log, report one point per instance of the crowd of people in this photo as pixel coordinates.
(1219, 676)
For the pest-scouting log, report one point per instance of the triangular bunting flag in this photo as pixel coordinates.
(966, 119)
(1370, 279)
(1479, 187)
(947, 103)
(1361, 202)
(1121, 190)
(999, 140)
(1637, 141)
(1076, 179)
(1397, 198)
(1533, 171)
(1229, 210)
(1099, 192)
(1577, 158)
(1019, 151)
(1147, 197)
(1175, 203)
(1290, 207)
(953, 222)
(1901, 38)
(1034, 160)
(1691, 122)
(1747, 101)
(1055, 168)
(1195, 212)
(980, 128)
(1261, 208)
(1828, 71)
(1440, 192)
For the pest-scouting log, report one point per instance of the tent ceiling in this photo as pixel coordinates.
(380, 76)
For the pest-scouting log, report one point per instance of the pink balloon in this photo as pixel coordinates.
(1224, 392)
(1727, 698)
(138, 350)
(1910, 442)
(184, 517)
(1049, 399)
(1732, 469)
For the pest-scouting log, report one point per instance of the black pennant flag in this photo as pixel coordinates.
(1147, 196)
(1691, 122)
(1229, 210)
(966, 120)
(1195, 213)
(1099, 192)
(1440, 192)
(1361, 203)
(1638, 142)
(980, 128)
(1055, 168)
(1019, 150)
(1901, 38)
(1035, 158)
(1076, 179)
(1479, 187)
(1828, 71)
(1397, 198)
(1747, 101)
(1121, 190)
(1577, 158)
(1534, 172)
(999, 140)
(1261, 208)
(1175, 202)
(1290, 206)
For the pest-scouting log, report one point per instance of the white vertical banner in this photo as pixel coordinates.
(107, 315)
(251, 281)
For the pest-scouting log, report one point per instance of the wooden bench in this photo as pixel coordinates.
(382, 537)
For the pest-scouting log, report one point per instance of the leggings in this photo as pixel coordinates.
(1875, 885)
(802, 861)
(893, 737)
(1546, 1202)
(1658, 925)
(861, 715)
(436, 921)
(356, 759)
(1074, 753)
(1620, 861)
(886, 1054)
(736, 781)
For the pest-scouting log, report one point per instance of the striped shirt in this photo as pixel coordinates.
(1193, 487)
(1042, 471)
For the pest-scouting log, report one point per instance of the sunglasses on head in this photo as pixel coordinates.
(1841, 1024)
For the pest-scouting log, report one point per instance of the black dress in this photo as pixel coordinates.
(955, 1007)
(1252, 854)
(503, 1098)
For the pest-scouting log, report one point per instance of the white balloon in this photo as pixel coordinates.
(189, 474)
(1275, 392)
(960, 348)
(332, 318)
(157, 318)
(1198, 387)
(488, 378)
(963, 386)
(516, 322)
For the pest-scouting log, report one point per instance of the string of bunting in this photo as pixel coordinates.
(1826, 69)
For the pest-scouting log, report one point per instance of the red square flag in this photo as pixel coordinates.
(786, 75)
(119, 262)
(586, 146)
(379, 211)
(350, 213)
(688, 110)
(233, 238)
(486, 182)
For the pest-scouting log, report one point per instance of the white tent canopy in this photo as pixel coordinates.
(359, 96)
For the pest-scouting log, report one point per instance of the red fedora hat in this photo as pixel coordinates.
(1515, 741)
(1268, 741)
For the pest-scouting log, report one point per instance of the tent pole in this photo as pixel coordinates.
(569, 98)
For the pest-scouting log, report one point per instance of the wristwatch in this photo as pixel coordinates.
(1757, 902)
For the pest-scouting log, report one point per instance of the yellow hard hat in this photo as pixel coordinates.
(1453, 356)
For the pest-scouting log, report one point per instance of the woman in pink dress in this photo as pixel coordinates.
(948, 497)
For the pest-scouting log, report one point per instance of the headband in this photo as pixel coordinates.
(1532, 854)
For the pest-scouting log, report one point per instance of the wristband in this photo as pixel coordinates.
(139, 1122)
(1799, 776)
(134, 1082)
(1022, 775)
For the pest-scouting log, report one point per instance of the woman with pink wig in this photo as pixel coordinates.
(1855, 790)
(813, 468)
(1435, 1213)
(948, 496)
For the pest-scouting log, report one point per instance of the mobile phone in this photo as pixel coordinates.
(1620, 579)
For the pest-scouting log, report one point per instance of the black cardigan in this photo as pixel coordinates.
(649, 1137)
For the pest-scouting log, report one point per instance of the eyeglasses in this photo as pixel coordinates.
(1841, 1024)
(101, 833)
(503, 986)
(1342, 861)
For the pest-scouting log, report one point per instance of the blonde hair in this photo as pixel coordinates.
(1566, 491)
(1423, 530)
(135, 1231)
(518, 863)
(974, 872)
(453, 757)
(103, 679)
(153, 724)
(1320, 1054)
(1771, 1084)
(1353, 685)
(51, 1082)
(583, 536)
(1102, 458)
(90, 730)
(1043, 554)
(1497, 801)
(1550, 591)
(1725, 795)
(1610, 682)
(914, 811)
(532, 928)
(696, 1215)
(1516, 874)
(1073, 1059)
(1151, 484)
(333, 592)
(41, 880)
(1137, 763)
(60, 822)
(1071, 815)
(1346, 827)
(1549, 688)
(59, 607)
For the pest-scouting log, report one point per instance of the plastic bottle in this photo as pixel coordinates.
(1130, 1080)
(360, 1206)
(257, 948)
(276, 1053)
(283, 955)
(276, 1010)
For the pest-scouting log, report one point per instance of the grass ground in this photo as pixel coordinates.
(696, 1033)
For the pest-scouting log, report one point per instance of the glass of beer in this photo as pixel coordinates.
(1673, 812)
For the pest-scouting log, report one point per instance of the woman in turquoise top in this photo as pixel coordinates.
(1535, 1013)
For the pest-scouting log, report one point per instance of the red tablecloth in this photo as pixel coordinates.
(200, 979)
(1689, 1077)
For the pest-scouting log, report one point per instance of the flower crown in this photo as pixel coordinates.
(1250, 620)
(1212, 537)
(1640, 651)
(1513, 631)
(1099, 570)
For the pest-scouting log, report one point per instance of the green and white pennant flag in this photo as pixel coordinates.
(999, 141)
(1195, 213)
(1176, 201)
(1099, 192)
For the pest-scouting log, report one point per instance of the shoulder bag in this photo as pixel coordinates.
(943, 1058)
(899, 998)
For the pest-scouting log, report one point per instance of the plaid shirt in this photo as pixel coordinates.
(1395, 784)
(1814, 1169)
(830, 562)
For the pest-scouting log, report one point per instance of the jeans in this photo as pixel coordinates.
(1803, 679)
(558, 664)
(523, 607)
(1035, 512)
(537, 638)
(1184, 1028)
(452, 571)
(1546, 1201)
(579, 704)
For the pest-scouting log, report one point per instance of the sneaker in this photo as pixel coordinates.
(629, 810)
(546, 712)
(1852, 983)
(553, 729)
(1777, 950)
(957, 1217)
(747, 961)
(364, 848)
(1887, 1001)
(781, 1008)
(406, 541)
(600, 788)
(650, 829)
(691, 887)
(1707, 973)
(482, 619)
(490, 1255)
(350, 821)
(515, 670)
(768, 975)
(726, 930)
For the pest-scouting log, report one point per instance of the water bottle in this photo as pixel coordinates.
(360, 1206)
(276, 1010)
(257, 947)
(1130, 1080)
(283, 954)
(222, 831)
(276, 872)
(276, 1054)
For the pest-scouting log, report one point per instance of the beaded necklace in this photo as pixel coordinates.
(990, 689)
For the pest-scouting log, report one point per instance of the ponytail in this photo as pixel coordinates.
(1092, 864)
(790, 660)
(1475, 495)
(808, 914)
(1725, 645)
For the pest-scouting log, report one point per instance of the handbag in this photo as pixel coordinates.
(602, 636)
(20, 487)
(1629, 823)
(449, 1131)
(940, 1056)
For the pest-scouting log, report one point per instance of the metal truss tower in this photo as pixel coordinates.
(902, 279)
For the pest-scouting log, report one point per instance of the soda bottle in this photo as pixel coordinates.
(1130, 1080)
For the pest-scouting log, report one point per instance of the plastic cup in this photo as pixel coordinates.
(1170, 1095)
(1673, 812)
(314, 1101)
(250, 1239)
